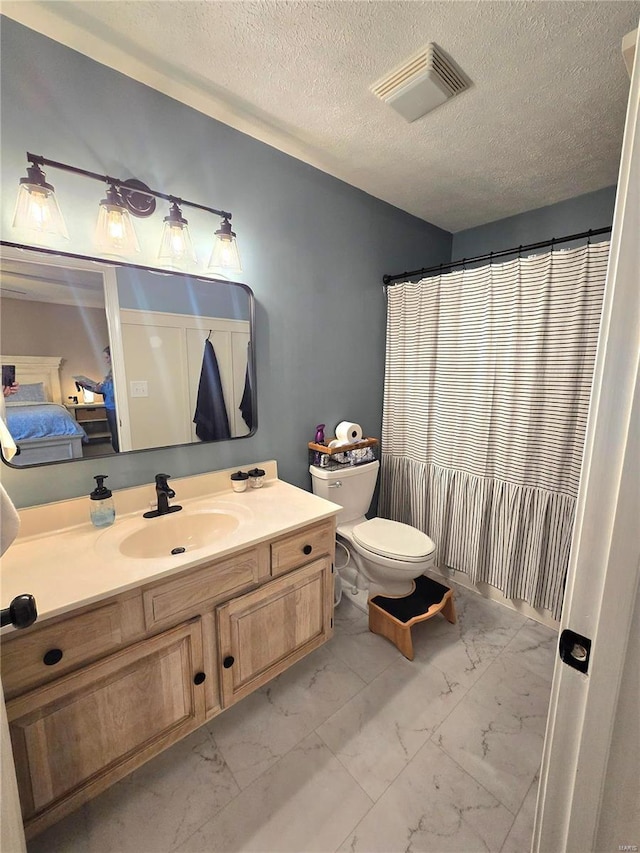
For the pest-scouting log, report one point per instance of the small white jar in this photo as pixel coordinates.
(256, 478)
(239, 481)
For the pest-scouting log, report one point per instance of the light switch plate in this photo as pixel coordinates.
(139, 388)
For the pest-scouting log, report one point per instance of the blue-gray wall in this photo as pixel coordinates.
(141, 290)
(573, 216)
(313, 248)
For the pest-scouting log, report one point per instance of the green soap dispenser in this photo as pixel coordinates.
(103, 512)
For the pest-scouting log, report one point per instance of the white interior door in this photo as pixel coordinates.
(592, 748)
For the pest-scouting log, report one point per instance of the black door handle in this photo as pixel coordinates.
(20, 613)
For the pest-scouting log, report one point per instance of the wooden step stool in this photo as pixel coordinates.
(393, 618)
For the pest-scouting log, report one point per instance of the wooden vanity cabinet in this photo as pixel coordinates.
(263, 632)
(51, 649)
(75, 736)
(139, 671)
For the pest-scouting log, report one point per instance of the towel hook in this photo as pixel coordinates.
(209, 335)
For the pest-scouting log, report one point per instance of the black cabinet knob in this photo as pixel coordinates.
(199, 677)
(52, 657)
(307, 549)
(228, 661)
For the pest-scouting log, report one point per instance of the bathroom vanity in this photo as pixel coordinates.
(136, 647)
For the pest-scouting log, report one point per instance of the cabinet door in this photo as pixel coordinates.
(265, 631)
(73, 738)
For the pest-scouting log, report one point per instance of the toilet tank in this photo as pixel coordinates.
(351, 487)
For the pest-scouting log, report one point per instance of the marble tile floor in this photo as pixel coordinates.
(353, 749)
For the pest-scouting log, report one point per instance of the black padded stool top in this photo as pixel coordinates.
(426, 593)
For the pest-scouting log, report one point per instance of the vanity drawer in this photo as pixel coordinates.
(185, 596)
(300, 547)
(43, 653)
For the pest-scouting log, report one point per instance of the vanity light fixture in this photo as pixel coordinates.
(37, 209)
(176, 247)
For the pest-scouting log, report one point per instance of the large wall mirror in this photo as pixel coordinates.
(110, 358)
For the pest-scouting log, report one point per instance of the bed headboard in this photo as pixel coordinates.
(38, 368)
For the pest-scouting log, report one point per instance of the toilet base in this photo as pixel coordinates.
(392, 588)
(393, 618)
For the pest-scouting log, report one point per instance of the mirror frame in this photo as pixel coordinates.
(20, 251)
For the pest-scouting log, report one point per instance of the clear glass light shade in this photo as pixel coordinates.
(176, 246)
(37, 210)
(115, 234)
(225, 256)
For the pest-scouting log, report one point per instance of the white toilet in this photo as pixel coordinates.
(390, 555)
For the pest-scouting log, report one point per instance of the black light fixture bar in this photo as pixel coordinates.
(133, 186)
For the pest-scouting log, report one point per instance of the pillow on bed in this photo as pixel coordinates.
(31, 393)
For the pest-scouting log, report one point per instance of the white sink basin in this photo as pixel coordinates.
(173, 534)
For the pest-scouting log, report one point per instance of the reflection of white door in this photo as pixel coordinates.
(589, 797)
(163, 356)
(157, 393)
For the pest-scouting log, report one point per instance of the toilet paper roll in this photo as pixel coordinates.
(348, 433)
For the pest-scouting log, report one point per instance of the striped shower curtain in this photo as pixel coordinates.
(487, 384)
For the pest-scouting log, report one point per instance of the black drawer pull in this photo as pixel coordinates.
(228, 661)
(52, 657)
(307, 549)
(199, 677)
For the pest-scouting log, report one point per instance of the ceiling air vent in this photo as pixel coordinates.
(421, 84)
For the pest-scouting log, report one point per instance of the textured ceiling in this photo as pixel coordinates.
(542, 122)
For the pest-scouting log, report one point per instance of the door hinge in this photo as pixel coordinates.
(331, 622)
(332, 568)
(575, 650)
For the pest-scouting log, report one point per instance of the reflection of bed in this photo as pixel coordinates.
(44, 431)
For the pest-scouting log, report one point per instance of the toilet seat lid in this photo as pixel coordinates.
(393, 539)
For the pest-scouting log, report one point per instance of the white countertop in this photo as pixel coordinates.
(78, 565)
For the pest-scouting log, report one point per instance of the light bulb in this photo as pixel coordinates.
(225, 256)
(115, 234)
(37, 210)
(176, 247)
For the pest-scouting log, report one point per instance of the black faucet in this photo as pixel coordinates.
(163, 493)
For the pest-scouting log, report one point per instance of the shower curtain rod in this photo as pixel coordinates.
(388, 279)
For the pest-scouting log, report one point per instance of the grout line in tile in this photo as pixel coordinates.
(515, 814)
(535, 781)
(471, 776)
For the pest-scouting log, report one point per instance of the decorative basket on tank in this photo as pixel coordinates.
(336, 458)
